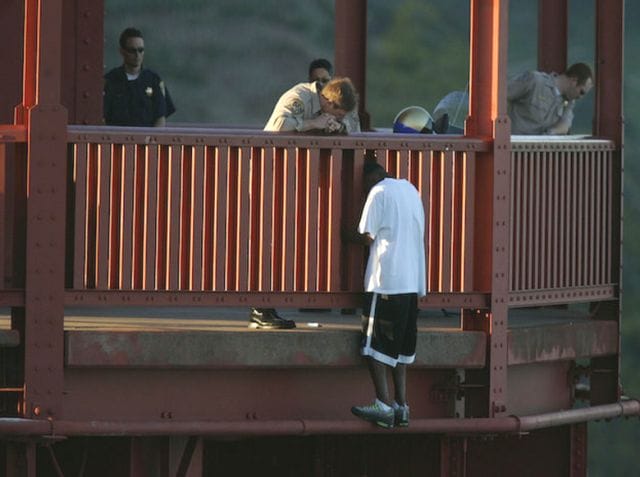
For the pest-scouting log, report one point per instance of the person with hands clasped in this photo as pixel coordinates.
(311, 107)
(308, 107)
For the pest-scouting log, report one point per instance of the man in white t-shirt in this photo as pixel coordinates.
(392, 225)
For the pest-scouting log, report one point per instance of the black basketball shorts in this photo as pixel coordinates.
(389, 327)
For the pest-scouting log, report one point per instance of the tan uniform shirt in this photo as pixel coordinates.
(300, 103)
(534, 104)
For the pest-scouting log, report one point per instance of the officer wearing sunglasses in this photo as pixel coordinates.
(133, 94)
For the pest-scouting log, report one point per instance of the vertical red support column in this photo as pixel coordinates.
(10, 81)
(351, 49)
(609, 70)
(82, 60)
(578, 446)
(43, 317)
(487, 108)
(553, 24)
(609, 124)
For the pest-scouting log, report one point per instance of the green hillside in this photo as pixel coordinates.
(226, 62)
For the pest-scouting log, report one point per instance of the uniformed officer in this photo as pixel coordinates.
(133, 95)
(542, 103)
(321, 72)
(311, 106)
(308, 107)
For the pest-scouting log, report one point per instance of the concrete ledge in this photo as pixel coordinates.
(179, 338)
(261, 349)
(567, 341)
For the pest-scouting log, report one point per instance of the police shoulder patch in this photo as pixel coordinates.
(296, 106)
(162, 88)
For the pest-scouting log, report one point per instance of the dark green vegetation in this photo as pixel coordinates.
(226, 62)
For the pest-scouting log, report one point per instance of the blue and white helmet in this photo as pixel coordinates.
(413, 120)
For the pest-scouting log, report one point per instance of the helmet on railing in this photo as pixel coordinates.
(413, 120)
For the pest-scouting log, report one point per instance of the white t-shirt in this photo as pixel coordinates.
(394, 217)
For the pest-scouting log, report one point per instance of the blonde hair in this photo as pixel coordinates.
(342, 93)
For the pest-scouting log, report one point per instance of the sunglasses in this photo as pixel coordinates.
(133, 51)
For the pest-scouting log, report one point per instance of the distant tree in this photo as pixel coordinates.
(420, 56)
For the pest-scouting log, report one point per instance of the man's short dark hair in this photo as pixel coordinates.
(321, 63)
(129, 33)
(579, 71)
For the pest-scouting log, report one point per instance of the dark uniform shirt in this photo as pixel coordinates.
(138, 102)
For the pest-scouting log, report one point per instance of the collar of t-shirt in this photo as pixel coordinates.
(133, 77)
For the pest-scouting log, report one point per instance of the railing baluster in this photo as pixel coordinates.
(608, 175)
(591, 213)
(325, 228)
(334, 219)
(243, 241)
(289, 214)
(598, 217)
(514, 246)
(469, 219)
(126, 238)
(446, 230)
(265, 237)
(138, 239)
(186, 218)
(312, 223)
(174, 218)
(223, 190)
(81, 233)
(197, 218)
(150, 262)
(104, 217)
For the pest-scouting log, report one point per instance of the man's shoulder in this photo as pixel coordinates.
(302, 89)
(529, 76)
(116, 73)
(402, 187)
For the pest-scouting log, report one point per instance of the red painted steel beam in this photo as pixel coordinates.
(487, 118)
(609, 70)
(553, 25)
(223, 138)
(610, 125)
(247, 428)
(12, 133)
(351, 49)
(578, 446)
(336, 299)
(82, 60)
(42, 321)
(11, 14)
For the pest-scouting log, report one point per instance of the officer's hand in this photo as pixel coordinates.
(333, 125)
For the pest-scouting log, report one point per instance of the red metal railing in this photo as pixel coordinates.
(561, 220)
(246, 211)
(231, 215)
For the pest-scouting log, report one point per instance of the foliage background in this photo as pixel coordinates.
(226, 62)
